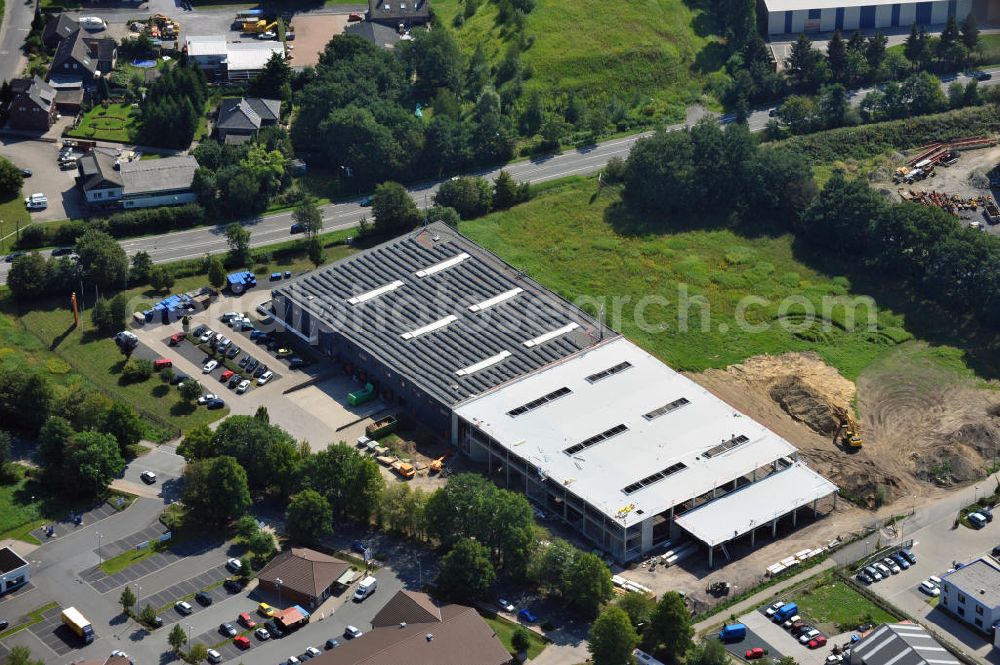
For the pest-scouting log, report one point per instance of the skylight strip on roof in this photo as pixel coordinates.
(666, 408)
(654, 478)
(495, 300)
(483, 364)
(596, 439)
(726, 446)
(430, 327)
(535, 403)
(375, 293)
(444, 265)
(620, 367)
(552, 334)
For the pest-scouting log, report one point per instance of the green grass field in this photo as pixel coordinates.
(645, 54)
(505, 630)
(13, 214)
(833, 602)
(118, 122)
(118, 563)
(566, 239)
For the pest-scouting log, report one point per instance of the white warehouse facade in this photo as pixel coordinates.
(792, 17)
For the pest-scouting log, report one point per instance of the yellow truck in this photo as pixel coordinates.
(78, 624)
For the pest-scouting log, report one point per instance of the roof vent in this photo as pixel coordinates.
(430, 636)
(402, 624)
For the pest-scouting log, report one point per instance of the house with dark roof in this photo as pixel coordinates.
(900, 644)
(58, 28)
(376, 33)
(79, 57)
(33, 106)
(305, 577)
(414, 630)
(394, 13)
(15, 571)
(240, 118)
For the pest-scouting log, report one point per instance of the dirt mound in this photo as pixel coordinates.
(804, 404)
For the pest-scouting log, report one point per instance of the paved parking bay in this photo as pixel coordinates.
(68, 525)
(55, 634)
(191, 351)
(65, 200)
(761, 632)
(165, 599)
(224, 645)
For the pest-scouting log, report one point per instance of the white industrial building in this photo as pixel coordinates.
(233, 61)
(633, 454)
(792, 17)
(552, 402)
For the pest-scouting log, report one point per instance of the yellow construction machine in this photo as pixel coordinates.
(849, 430)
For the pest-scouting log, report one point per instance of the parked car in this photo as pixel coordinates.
(901, 561)
(986, 512)
(234, 565)
(873, 573)
(506, 605)
(283, 352)
(178, 378)
(228, 629)
(929, 588)
(229, 315)
(177, 338)
(935, 580)
(817, 642)
(796, 626)
(790, 622)
(262, 634)
(272, 627)
(206, 335)
(754, 653)
(257, 334)
(206, 398)
(215, 404)
(980, 76)
(234, 380)
(292, 660)
(265, 610)
(893, 567)
(162, 363)
(203, 598)
(296, 363)
(214, 656)
(183, 607)
(26, 173)
(228, 374)
(312, 652)
(265, 377)
(351, 632)
(864, 577)
(233, 351)
(261, 370)
(243, 386)
(233, 586)
(365, 202)
(976, 520)
(242, 641)
(909, 556)
(331, 643)
(252, 365)
(527, 615)
(881, 567)
(805, 637)
(157, 622)
(247, 621)
(62, 251)
(148, 477)
(774, 608)
(801, 630)
(245, 360)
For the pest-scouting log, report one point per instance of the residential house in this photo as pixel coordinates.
(58, 28)
(241, 118)
(305, 577)
(376, 33)
(15, 571)
(79, 57)
(972, 593)
(414, 630)
(900, 644)
(138, 184)
(33, 106)
(394, 13)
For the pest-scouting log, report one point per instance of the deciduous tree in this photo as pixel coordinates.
(612, 638)
(394, 210)
(466, 572)
(670, 626)
(309, 517)
(216, 490)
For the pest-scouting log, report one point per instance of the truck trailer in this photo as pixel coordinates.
(78, 624)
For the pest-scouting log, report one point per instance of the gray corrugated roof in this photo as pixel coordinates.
(979, 579)
(431, 360)
(158, 175)
(900, 644)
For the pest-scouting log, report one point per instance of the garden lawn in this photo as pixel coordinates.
(834, 602)
(118, 122)
(13, 214)
(644, 54)
(505, 630)
(566, 239)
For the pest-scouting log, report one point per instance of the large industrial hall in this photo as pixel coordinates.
(595, 430)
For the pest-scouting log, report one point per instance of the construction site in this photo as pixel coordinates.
(954, 176)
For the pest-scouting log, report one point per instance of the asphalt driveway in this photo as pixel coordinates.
(65, 200)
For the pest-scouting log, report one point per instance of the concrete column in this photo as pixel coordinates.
(795, 516)
(711, 552)
(753, 537)
(774, 528)
(815, 501)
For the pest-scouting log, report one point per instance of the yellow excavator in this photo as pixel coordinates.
(849, 430)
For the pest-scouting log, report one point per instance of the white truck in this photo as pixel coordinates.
(366, 587)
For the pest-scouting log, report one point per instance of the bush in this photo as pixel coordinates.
(32, 236)
(137, 369)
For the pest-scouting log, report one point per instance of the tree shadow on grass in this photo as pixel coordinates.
(161, 390)
(183, 408)
(60, 338)
(711, 58)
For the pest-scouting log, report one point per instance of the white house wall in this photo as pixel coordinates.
(162, 200)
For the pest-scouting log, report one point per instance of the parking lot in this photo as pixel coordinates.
(69, 525)
(211, 382)
(65, 201)
(55, 634)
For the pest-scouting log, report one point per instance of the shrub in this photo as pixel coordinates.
(32, 236)
(137, 369)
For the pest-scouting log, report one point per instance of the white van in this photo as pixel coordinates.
(366, 587)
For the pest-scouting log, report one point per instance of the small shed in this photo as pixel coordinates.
(239, 282)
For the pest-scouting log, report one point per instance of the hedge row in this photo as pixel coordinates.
(126, 224)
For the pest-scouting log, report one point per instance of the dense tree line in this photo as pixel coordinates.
(173, 107)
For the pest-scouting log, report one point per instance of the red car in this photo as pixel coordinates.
(756, 652)
(247, 621)
(817, 642)
(228, 374)
(354, 18)
(162, 363)
(177, 338)
(242, 641)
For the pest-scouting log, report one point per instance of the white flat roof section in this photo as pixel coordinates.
(206, 45)
(244, 56)
(755, 505)
(651, 438)
(803, 5)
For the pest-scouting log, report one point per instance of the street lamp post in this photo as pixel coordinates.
(278, 583)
